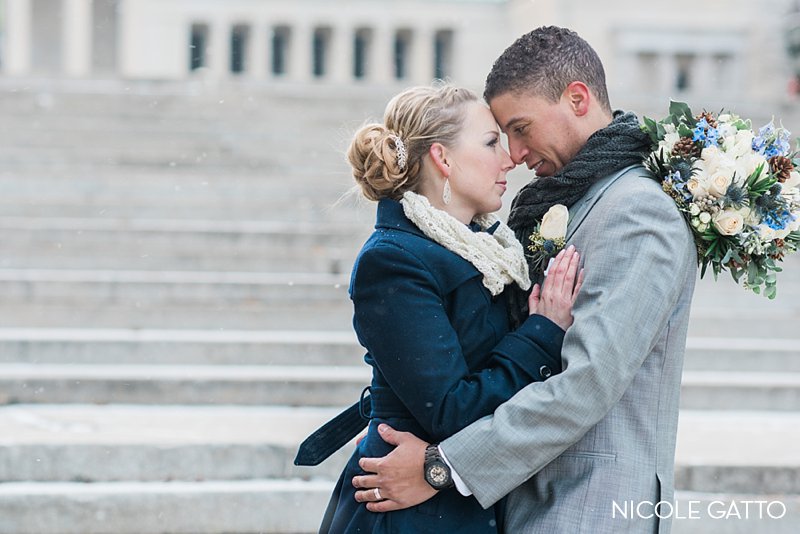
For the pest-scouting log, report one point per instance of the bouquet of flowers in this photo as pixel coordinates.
(737, 189)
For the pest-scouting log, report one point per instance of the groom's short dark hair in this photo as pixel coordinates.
(544, 62)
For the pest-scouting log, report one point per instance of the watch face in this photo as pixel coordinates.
(438, 474)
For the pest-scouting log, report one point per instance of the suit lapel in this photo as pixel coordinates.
(581, 209)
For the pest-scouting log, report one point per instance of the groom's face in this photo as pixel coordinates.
(541, 134)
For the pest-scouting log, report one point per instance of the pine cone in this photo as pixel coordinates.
(712, 122)
(686, 148)
(781, 167)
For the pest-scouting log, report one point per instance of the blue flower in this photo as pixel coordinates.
(778, 220)
(771, 142)
(782, 142)
(712, 137)
(699, 134)
(548, 246)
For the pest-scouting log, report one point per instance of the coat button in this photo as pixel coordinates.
(545, 371)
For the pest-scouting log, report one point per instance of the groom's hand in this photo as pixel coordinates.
(398, 475)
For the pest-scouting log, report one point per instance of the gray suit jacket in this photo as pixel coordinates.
(603, 431)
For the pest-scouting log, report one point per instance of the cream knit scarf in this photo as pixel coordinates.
(498, 256)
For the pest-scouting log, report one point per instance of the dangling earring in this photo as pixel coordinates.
(446, 193)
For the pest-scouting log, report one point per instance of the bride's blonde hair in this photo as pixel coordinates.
(418, 117)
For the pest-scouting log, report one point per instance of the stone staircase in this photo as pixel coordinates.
(175, 320)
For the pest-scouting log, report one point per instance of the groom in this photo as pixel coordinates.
(602, 433)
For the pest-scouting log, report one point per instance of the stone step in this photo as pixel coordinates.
(178, 244)
(233, 132)
(244, 507)
(191, 102)
(710, 473)
(193, 315)
(182, 384)
(251, 314)
(309, 347)
(742, 353)
(296, 507)
(177, 347)
(733, 513)
(97, 287)
(153, 194)
(60, 443)
(726, 452)
(303, 385)
(197, 299)
(169, 299)
(740, 390)
(732, 319)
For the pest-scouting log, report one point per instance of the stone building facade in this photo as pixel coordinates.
(717, 53)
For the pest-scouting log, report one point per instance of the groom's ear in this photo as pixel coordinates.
(439, 155)
(579, 98)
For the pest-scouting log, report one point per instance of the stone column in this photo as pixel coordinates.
(668, 73)
(18, 43)
(422, 56)
(219, 49)
(77, 37)
(257, 53)
(703, 73)
(341, 54)
(381, 55)
(300, 53)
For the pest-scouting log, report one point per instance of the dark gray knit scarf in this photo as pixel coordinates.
(620, 144)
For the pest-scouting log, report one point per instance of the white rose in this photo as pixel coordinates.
(719, 181)
(743, 143)
(728, 222)
(704, 217)
(710, 158)
(554, 222)
(697, 187)
(694, 209)
(668, 143)
(750, 216)
(747, 164)
(726, 131)
(704, 167)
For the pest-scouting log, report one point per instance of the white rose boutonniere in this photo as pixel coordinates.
(554, 222)
(548, 238)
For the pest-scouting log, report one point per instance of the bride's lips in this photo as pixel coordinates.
(503, 184)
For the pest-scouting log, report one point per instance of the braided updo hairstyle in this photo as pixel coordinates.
(418, 117)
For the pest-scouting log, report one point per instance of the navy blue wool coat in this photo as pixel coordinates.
(442, 357)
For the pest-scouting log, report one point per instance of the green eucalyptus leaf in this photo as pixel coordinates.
(681, 109)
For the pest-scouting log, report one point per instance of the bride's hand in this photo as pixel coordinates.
(561, 287)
